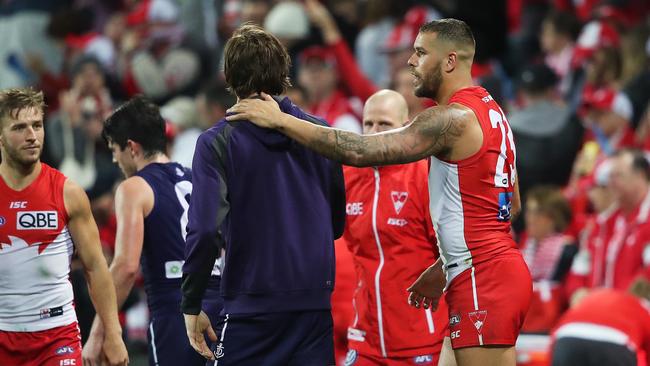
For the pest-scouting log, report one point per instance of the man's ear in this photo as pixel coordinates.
(134, 147)
(451, 62)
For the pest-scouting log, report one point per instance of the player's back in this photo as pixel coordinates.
(470, 198)
(279, 224)
(163, 250)
(35, 253)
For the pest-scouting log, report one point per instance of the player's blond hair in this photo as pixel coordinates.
(13, 100)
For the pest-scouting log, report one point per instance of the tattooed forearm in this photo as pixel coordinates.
(433, 132)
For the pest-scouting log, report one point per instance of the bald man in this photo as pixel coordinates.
(391, 240)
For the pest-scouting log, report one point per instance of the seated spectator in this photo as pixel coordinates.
(617, 256)
(557, 40)
(607, 114)
(588, 265)
(548, 253)
(547, 134)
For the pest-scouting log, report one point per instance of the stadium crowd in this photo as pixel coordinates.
(573, 78)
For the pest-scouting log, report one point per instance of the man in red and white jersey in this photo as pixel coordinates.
(607, 327)
(389, 232)
(472, 186)
(618, 253)
(44, 217)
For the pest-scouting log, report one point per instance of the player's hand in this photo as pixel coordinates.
(114, 350)
(262, 112)
(197, 326)
(91, 352)
(426, 291)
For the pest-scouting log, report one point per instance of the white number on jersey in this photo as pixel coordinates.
(183, 192)
(501, 178)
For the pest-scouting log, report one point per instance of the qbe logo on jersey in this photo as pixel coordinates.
(37, 220)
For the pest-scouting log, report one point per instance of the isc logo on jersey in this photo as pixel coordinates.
(37, 220)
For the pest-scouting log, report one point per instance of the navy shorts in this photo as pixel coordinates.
(293, 338)
(168, 343)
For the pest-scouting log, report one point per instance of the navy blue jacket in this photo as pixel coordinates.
(275, 207)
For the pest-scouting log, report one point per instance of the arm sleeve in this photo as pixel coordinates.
(351, 75)
(209, 207)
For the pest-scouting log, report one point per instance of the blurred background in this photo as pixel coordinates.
(573, 77)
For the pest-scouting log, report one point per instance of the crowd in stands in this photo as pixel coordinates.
(573, 77)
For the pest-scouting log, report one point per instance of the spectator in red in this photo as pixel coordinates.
(621, 248)
(318, 74)
(607, 114)
(548, 252)
(588, 265)
(557, 40)
(608, 327)
(399, 43)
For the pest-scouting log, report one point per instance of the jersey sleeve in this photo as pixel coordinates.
(207, 213)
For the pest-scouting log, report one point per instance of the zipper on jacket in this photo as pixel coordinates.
(380, 321)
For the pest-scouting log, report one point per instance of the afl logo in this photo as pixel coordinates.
(2, 220)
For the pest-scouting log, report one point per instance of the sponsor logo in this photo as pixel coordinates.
(399, 200)
(354, 208)
(487, 99)
(64, 350)
(420, 360)
(478, 319)
(174, 269)
(18, 204)
(505, 205)
(52, 312)
(356, 335)
(218, 352)
(68, 362)
(454, 319)
(37, 220)
(350, 358)
(455, 334)
(397, 222)
(2, 220)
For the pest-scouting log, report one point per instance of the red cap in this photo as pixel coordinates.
(606, 99)
(595, 35)
(401, 37)
(320, 53)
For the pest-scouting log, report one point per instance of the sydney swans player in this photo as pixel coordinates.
(472, 185)
(44, 217)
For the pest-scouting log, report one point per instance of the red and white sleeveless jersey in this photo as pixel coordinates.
(470, 198)
(35, 253)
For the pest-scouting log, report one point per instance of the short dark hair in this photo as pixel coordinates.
(564, 23)
(552, 203)
(138, 120)
(451, 30)
(13, 100)
(255, 61)
(216, 94)
(640, 162)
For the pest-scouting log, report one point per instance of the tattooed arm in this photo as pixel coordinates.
(432, 132)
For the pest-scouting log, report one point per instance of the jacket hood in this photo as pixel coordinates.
(270, 137)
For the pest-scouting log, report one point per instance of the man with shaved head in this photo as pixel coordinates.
(391, 238)
(472, 185)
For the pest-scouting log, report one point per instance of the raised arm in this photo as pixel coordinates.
(432, 132)
(102, 292)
